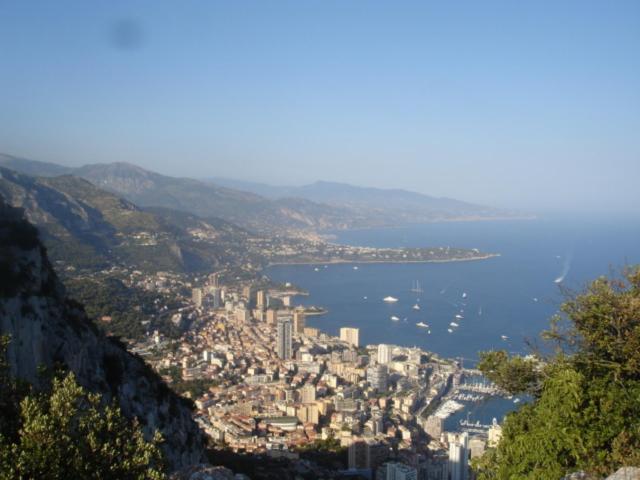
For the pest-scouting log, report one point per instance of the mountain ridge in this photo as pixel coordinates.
(317, 207)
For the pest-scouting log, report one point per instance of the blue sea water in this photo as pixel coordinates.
(514, 294)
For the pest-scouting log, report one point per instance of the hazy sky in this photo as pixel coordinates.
(517, 104)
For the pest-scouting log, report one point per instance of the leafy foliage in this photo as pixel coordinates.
(65, 432)
(127, 306)
(586, 409)
(515, 375)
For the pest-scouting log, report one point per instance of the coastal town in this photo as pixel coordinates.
(264, 382)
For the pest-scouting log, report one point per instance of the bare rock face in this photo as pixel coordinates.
(48, 329)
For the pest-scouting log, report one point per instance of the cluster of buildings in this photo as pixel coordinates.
(276, 386)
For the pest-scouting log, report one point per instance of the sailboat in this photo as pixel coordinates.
(416, 288)
(416, 307)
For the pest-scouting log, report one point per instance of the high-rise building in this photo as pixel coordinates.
(261, 299)
(308, 394)
(384, 353)
(367, 454)
(377, 376)
(214, 279)
(400, 471)
(298, 320)
(247, 293)
(215, 295)
(311, 332)
(196, 296)
(284, 344)
(350, 335)
(243, 315)
(459, 456)
(272, 316)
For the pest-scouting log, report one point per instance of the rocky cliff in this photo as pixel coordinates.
(47, 329)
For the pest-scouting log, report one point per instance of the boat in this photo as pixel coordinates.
(364, 297)
(416, 307)
(459, 316)
(449, 330)
(422, 324)
(317, 269)
(429, 332)
(416, 288)
(454, 324)
(464, 295)
(504, 337)
(516, 400)
(390, 299)
(395, 319)
(355, 267)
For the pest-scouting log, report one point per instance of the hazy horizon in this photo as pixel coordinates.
(524, 106)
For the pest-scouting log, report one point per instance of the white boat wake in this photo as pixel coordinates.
(566, 265)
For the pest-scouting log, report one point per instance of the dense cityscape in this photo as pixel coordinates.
(264, 382)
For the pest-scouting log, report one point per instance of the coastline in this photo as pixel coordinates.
(390, 262)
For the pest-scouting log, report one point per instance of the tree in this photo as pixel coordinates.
(65, 432)
(585, 413)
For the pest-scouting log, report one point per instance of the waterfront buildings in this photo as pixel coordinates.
(384, 354)
(350, 335)
(298, 320)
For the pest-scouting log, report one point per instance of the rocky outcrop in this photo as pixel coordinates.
(47, 329)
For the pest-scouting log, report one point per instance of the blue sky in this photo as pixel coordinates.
(517, 104)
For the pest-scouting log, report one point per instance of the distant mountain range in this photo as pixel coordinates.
(87, 227)
(262, 208)
(404, 205)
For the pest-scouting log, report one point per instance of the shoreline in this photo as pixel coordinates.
(390, 262)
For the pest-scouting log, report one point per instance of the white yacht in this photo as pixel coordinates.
(395, 319)
(390, 299)
(422, 324)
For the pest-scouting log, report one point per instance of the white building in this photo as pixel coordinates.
(459, 456)
(384, 354)
(350, 335)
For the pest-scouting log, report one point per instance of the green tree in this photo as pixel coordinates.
(585, 413)
(65, 432)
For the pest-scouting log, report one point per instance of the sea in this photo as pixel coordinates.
(503, 302)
